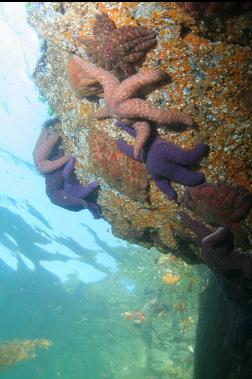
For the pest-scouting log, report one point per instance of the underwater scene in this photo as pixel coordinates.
(125, 190)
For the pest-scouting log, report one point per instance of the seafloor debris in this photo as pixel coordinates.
(20, 350)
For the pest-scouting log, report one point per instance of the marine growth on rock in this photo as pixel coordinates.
(221, 205)
(121, 172)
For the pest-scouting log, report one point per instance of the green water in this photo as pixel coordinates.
(65, 278)
(91, 338)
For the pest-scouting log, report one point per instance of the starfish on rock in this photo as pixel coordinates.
(121, 104)
(166, 161)
(43, 149)
(221, 205)
(118, 49)
(62, 185)
(64, 190)
(218, 249)
(82, 85)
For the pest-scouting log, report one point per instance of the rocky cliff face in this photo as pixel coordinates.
(210, 79)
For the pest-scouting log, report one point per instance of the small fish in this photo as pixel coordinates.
(170, 278)
(133, 316)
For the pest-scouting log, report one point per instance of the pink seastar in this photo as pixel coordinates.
(42, 151)
(121, 103)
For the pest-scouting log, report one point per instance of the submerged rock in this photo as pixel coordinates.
(185, 56)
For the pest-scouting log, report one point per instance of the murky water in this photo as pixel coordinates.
(105, 306)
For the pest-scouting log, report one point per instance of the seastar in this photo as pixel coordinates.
(64, 189)
(81, 84)
(43, 149)
(118, 49)
(121, 104)
(62, 186)
(221, 205)
(166, 161)
(218, 248)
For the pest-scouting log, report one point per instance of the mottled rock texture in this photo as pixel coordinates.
(126, 175)
(206, 80)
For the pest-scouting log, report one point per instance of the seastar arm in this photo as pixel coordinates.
(124, 69)
(38, 150)
(165, 186)
(185, 157)
(42, 137)
(101, 114)
(141, 132)
(180, 174)
(240, 235)
(198, 228)
(130, 86)
(108, 81)
(42, 151)
(243, 204)
(219, 236)
(75, 204)
(72, 186)
(103, 25)
(95, 209)
(235, 261)
(131, 38)
(143, 44)
(48, 166)
(134, 57)
(126, 128)
(217, 245)
(138, 108)
(80, 191)
(219, 253)
(69, 168)
(127, 149)
(142, 135)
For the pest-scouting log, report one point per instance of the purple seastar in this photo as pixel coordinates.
(64, 190)
(218, 248)
(166, 161)
(62, 186)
